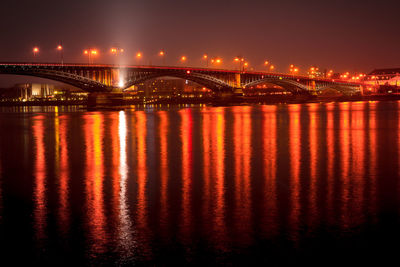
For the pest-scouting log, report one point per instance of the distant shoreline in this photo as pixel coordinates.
(218, 102)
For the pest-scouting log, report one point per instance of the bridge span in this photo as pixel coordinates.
(118, 78)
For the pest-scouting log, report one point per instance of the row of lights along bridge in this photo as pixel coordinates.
(91, 53)
(242, 64)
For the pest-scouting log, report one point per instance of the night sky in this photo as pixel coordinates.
(350, 35)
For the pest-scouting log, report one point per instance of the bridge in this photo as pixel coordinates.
(118, 78)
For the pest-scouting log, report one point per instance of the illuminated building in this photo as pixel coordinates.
(169, 87)
(381, 77)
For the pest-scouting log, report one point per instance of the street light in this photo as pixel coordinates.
(205, 57)
(90, 53)
(266, 63)
(60, 50)
(162, 55)
(216, 61)
(245, 65)
(240, 61)
(35, 51)
(272, 67)
(293, 69)
(116, 51)
(138, 57)
(183, 59)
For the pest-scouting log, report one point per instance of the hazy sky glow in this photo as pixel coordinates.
(352, 35)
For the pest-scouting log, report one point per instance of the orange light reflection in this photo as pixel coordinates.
(295, 159)
(242, 154)
(187, 157)
(270, 223)
(163, 131)
(313, 142)
(94, 125)
(39, 193)
(218, 157)
(345, 161)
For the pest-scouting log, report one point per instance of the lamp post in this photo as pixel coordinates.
(138, 57)
(60, 50)
(183, 59)
(162, 55)
(90, 53)
(245, 65)
(240, 61)
(205, 57)
(35, 52)
(216, 61)
(266, 63)
(293, 69)
(116, 51)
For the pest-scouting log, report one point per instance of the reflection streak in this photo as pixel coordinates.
(357, 148)
(218, 152)
(242, 152)
(39, 193)
(295, 159)
(125, 229)
(64, 177)
(313, 131)
(270, 154)
(186, 140)
(163, 131)
(330, 139)
(94, 183)
(345, 156)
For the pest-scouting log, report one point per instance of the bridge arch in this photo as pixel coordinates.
(78, 81)
(288, 84)
(339, 88)
(208, 81)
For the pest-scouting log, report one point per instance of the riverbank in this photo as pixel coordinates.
(220, 101)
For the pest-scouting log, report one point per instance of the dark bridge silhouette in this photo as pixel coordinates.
(115, 78)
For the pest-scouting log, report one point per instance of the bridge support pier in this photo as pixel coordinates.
(230, 95)
(98, 100)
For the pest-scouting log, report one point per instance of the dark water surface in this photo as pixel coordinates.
(274, 184)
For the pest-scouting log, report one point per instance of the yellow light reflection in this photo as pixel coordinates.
(126, 242)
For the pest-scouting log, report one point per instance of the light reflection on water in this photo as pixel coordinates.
(176, 185)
